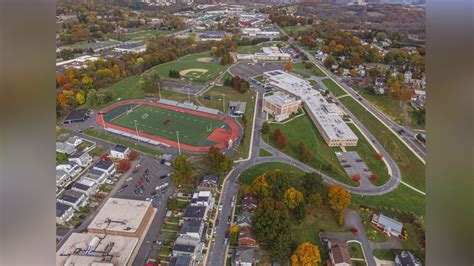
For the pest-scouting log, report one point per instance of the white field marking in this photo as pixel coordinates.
(415, 189)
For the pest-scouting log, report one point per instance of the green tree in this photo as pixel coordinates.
(312, 183)
(150, 82)
(182, 174)
(293, 198)
(220, 163)
(314, 202)
(265, 128)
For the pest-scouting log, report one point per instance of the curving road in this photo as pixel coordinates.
(217, 250)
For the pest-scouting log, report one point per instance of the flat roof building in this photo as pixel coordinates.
(280, 105)
(78, 115)
(123, 217)
(96, 249)
(272, 53)
(326, 116)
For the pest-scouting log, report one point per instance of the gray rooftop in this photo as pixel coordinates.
(390, 223)
(192, 226)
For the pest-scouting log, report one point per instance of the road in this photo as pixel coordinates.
(408, 137)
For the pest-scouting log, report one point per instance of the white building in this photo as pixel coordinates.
(78, 63)
(71, 168)
(64, 213)
(62, 178)
(326, 116)
(74, 199)
(82, 159)
(74, 141)
(105, 166)
(65, 148)
(203, 198)
(85, 186)
(96, 176)
(272, 53)
(120, 152)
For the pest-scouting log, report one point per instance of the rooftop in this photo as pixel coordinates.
(121, 215)
(192, 226)
(340, 253)
(61, 209)
(194, 211)
(281, 99)
(327, 114)
(104, 164)
(93, 249)
(180, 261)
(77, 114)
(120, 148)
(390, 223)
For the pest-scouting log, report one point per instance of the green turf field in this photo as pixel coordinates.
(193, 130)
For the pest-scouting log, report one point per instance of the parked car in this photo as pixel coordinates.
(162, 161)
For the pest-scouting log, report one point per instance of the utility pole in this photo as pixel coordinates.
(136, 129)
(179, 146)
(223, 102)
(189, 99)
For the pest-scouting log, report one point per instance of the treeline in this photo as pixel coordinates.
(238, 84)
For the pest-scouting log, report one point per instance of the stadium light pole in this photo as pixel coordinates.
(136, 129)
(223, 102)
(179, 146)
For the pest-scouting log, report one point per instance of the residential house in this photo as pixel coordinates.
(388, 225)
(237, 108)
(65, 148)
(195, 213)
(408, 76)
(73, 198)
(209, 182)
(85, 186)
(98, 177)
(244, 257)
(339, 254)
(186, 245)
(70, 168)
(106, 166)
(74, 141)
(64, 213)
(192, 228)
(405, 258)
(249, 203)
(247, 237)
(62, 178)
(182, 260)
(244, 219)
(379, 86)
(83, 159)
(203, 198)
(120, 152)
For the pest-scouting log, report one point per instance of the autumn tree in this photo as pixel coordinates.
(329, 61)
(132, 155)
(314, 202)
(260, 187)
(281, 142)
(313, 183)
(293, 198)
(219, 162)
(182, 171)
(276, 134)
(339, 198)
(304, 152)
(123, 165)
(289, 66)
(305, 255)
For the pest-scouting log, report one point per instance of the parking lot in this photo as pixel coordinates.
(183, 87)
(247, 70)
(142, 183)
(353, 164)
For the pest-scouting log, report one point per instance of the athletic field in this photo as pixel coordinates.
(160, 122)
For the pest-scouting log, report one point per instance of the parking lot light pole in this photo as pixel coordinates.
(179, 146)
(136, 129)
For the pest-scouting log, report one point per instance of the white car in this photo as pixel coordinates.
(220, 207)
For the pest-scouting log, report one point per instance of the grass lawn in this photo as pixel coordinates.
(386, 254)
(248, 49)
(170, 227)
(164, 123)
(97, 151)
(61, 133)
(412, 169)
(355, 250)
(308, 230)
(226, 75)
(96, 134)
(251, 173)
(307, 72)
(264, 153)
(324, 157)
(189, 62)
(145, 34)
(416, 120)
(333, 87)
(402, 198)
(259, 78)
(384, 103)
(365, 150)
(233, 95)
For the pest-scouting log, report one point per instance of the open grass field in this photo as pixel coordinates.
(295, 28)
(386, 254)
(324, 157)
(191, 62)
(251, 173)
(412, 169)
(365, 150)
(333, 87)
(194, 130)
(248, 49)
(146, 34)
(307, 72)
(249, 97)
(384, 103)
